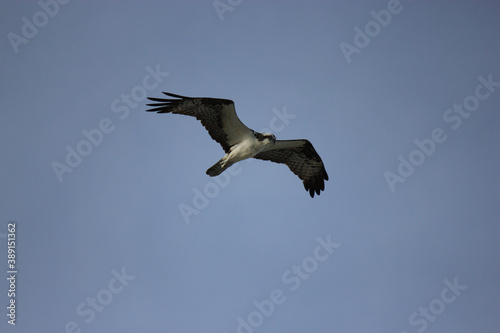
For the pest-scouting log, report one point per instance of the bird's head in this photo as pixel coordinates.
(270, 137)
(265, 137)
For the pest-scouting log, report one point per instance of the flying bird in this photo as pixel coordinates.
(239, 142)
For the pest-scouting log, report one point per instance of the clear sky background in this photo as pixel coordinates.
(102, 244)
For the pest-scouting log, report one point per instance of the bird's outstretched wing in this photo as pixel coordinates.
(217, 115)
(302, 159)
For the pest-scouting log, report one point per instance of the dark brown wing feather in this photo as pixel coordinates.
(302, 159)
(217, 115)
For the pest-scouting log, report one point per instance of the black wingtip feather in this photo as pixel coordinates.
(154, 99)
(316, 185)
(163, 104)
(174, 95)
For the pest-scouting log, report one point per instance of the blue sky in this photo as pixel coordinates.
(400, 99)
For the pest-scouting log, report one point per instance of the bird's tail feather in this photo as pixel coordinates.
(217, 168)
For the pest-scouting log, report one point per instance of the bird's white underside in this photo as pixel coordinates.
(248, 147)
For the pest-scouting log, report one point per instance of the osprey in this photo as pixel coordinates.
(240, 142)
